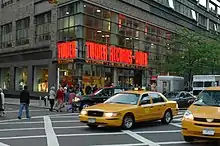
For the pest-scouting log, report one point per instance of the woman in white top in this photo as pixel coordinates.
(52, 97)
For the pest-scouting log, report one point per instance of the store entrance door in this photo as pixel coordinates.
(138, 77)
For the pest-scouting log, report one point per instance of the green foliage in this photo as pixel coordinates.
(191, 53)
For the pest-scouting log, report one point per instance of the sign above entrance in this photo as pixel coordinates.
(66, 50)
(102, 54)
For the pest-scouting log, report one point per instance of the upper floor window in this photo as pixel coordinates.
(6, 35)
(22, 31)
(43, 27)
(5, 3)
(67, 10)
(202, 20)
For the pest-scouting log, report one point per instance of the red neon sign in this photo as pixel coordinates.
(97, 51)
(120, 55)
(141, 58)
(66, 50)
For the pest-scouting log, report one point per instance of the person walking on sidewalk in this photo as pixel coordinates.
(52, 96)
(2, 102)
(24, 102)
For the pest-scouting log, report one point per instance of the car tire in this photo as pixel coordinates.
(128, 122)
(92, 126)
(167, 118)
(188, 138)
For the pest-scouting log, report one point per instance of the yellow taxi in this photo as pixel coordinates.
(202, 119)
(129, 107)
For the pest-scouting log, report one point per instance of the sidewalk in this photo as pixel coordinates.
(33, 103)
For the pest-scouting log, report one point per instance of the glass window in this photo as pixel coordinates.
(156, 98)
(197, 84)
(43, 25)
(124, 98)
(22, 31)
(40, 79)
(207, 84)
(5, 78)
(6, 35)
(145, 99)
(21, 75)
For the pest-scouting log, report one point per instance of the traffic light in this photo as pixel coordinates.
(53, 1)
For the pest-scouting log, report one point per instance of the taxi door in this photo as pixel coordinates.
(159, 105)
(145, 108)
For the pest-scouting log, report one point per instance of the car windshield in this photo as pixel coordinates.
(171, 94)
(208, 98)
(124, 98)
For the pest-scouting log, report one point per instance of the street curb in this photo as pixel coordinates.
(30, 105)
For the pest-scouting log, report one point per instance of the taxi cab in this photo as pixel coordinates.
(202, 119)
(129, 107)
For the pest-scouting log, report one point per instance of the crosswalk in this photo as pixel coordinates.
(178, 119)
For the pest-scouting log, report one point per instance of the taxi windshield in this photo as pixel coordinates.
(208, 98)
(124, 98)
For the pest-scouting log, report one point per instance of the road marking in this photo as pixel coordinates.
(155, 132)
(135, 144)
(15, 111)
(37, 117)
(58, 117)
(90, 134)
(27, 129)
(51, 136)
(140, 138)
(22, 137)
(177, 119)
(3, 144)
(178, 116)
(176, 125)
(40, 122)
(180, 142)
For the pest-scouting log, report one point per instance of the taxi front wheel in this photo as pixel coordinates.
(128, 121)
(167, 118)
(188, 138)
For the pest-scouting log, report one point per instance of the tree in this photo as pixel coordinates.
(191, 53)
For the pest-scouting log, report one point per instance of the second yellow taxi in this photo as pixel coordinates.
(129, 107)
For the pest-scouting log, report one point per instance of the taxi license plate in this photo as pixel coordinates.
(208, 132)
(91, 120)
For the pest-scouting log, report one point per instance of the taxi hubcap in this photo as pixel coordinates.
(128, 122)
(168, 117)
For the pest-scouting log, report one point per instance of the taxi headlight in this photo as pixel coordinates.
(83, 112)
(188, 115)
(111, 115)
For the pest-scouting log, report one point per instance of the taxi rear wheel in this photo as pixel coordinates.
(188, 138)
(128, 121)
(167, 118)
(92, 126)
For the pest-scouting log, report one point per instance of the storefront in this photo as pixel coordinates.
(107, 46)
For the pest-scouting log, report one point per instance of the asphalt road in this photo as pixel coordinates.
(64, 129)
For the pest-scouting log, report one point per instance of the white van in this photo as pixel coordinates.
(200, 82)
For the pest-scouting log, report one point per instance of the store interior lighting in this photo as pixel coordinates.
(65, 73)
(99, 31)
(98, 11)
(67, 13)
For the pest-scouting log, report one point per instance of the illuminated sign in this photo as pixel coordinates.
(97, 51)
(120, 55)
(66, 50)
(141, 58)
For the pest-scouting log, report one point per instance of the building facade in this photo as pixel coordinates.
(93, 41)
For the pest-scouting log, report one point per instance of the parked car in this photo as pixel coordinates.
(98, 97)
(183, 98)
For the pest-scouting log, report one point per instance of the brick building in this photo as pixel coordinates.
(92, 41)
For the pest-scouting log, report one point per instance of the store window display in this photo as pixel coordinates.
(21, 75)
(5, 78)
(40, 83)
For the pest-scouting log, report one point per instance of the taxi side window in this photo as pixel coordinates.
(156, 98)
(145, 99)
